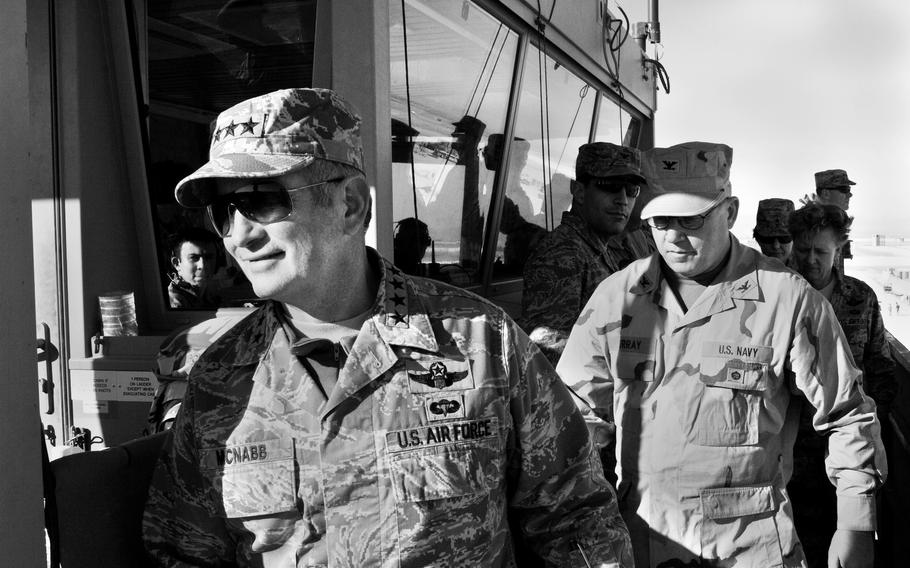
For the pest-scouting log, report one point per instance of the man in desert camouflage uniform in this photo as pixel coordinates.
(587, 246)
(693, 359)
(360, 417)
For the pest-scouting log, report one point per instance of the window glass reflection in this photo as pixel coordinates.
(554, 119)
(203, 57)
(457, 65)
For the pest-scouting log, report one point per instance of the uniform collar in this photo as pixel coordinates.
(737, 281)
(574, 222)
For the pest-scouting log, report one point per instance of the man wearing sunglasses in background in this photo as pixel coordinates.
(770, 230)
(697, 360)
(589, 244)
(360, 417)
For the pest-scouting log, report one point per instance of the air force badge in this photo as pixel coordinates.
(427, 375)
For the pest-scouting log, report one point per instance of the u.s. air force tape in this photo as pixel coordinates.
(440, 434)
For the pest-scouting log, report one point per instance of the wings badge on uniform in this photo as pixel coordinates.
(438, 376)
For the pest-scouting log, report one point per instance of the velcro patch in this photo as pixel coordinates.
(749, 353)
(435, 374)
(252, 452)
(444, 406)
(441, 434)
(630, 344)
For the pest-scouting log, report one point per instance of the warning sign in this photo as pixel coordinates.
(129, 386)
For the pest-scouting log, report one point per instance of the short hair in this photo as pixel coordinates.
(814, 217)
(195, 235)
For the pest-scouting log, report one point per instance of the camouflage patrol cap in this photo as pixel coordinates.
(687, 179)
(599, 161)
(832, 179)
(771, 217)
(273, 134)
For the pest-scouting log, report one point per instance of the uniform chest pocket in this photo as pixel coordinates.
(445, 461)
(252, 479)
(728, 410)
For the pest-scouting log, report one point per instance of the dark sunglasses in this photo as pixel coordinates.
(265, 202)
(632, 190)
(784, 240)
(691, 223)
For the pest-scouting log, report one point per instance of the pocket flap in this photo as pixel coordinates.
(734, 502)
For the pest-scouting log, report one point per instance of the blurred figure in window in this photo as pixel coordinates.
(819, 231)
(521, 226)
(411, 240)
(570, 262)
(193, 260)
(771, 231)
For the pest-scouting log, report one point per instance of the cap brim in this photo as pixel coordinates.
(198, 189)
(680, 204)
(621, 172)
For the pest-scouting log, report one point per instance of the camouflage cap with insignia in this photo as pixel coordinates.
(687, 179)
(771, 217)
(273, 134)
(599, 161)
(832, 179)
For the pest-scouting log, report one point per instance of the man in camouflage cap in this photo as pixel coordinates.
(693, 360)
(589, 244)
(360, 417)
(770, 231)
(833, 188)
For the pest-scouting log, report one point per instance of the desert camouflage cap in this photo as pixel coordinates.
(771, 217)
(602, 160)
(832, 179)
(273, 134)
(687, 179)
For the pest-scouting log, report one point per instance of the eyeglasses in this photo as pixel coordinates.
(267, 202)
(632, 190)
(692, 223)
(784, 240)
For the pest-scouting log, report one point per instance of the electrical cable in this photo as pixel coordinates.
(407, 87)
(660, 71)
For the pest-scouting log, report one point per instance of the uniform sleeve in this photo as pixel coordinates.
(878, 366)
(180, 526)
(824, 371)
(552, 299)
(585, 368)
(567, 512)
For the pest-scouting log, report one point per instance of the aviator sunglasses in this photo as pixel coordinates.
(265, 202)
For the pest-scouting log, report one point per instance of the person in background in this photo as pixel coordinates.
(193, 260)
(360, 417)
(771, 231)
(833, 187)
(818, 233)
(586, 247)
(691, 360)
(411, 241)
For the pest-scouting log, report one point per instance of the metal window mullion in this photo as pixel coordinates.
(491, 230)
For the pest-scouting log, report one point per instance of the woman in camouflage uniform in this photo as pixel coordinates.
(819, 231)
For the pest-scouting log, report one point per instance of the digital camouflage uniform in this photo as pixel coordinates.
(572, 260)
(701, 406)
(814, 503)
(446, 427)
(564, 271)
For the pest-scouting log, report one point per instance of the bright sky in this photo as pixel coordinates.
(794, 87)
